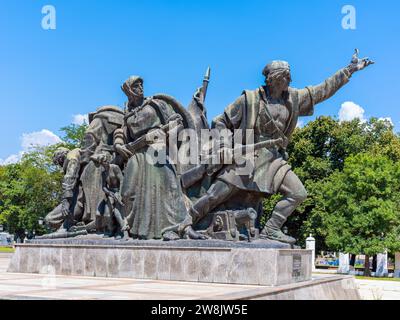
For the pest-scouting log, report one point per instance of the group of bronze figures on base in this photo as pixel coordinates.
(110, 187)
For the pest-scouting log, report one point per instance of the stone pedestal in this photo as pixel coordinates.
(382, 265)
(266, 263)
(344, 263)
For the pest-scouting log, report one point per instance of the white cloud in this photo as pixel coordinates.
(350, 111)
(300, 124)
(80, 119)
(14, 158)
(30, 140)
(388, 119)
(38, 139)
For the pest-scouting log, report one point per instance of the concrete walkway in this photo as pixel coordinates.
(4, 260)
(378, 289)
(371, 289)
(39, 286)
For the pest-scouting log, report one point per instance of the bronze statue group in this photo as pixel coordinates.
(115, 187)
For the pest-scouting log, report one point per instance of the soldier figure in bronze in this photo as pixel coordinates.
(272, 111)
(64, 215)
(137, 195)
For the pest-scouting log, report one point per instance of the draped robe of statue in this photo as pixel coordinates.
(250, 111)
(151, 193)
(98, 139)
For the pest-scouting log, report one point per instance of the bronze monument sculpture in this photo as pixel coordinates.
(156, 192)
(147, 173)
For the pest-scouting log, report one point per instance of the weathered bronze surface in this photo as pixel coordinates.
(117, 186)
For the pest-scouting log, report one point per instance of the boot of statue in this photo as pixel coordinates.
(272, 230)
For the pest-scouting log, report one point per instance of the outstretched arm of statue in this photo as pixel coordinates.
(312, 95)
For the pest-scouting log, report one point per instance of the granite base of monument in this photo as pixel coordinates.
(276, 270)
(261, 262)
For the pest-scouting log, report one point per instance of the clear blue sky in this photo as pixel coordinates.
(48, 76)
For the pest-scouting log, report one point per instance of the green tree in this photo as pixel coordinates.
(28, 190)
(318, 150)
(359, 207)
(31, 188)
(73, 135)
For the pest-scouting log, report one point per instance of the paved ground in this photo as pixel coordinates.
(4, 259)
(379, 289)
(372, 289)
(35, 286)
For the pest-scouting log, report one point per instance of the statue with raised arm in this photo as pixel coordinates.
(272, 112)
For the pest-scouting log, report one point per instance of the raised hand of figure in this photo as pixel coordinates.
(358, 64)
(280, 143)
(99, 159)
(199, 95)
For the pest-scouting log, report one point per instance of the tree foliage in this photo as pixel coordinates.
(360, 205)
(74, 135)
(31, 188)
(318, 152)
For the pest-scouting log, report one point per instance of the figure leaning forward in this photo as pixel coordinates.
(272, 112)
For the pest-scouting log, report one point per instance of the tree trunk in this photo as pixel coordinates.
(367, 272)
(374, 263)
(352, 260)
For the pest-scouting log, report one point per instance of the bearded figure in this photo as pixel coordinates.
(154, 204)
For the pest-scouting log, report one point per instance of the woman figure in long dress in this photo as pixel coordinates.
(151, 192)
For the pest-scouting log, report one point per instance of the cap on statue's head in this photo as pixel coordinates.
(128, 83)
(276, 65)
(133, 79)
